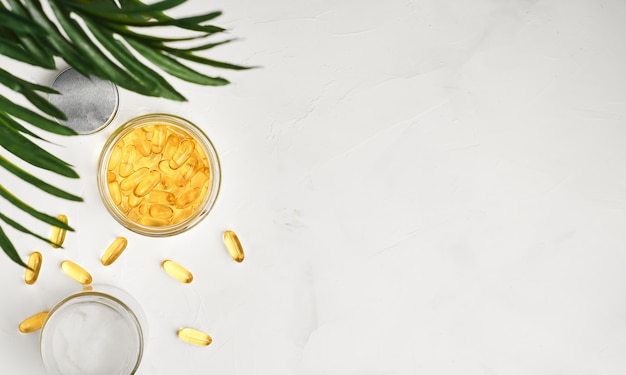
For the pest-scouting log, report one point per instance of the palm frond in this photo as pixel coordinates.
(95, 38)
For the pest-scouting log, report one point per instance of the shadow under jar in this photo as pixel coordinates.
(159, 175)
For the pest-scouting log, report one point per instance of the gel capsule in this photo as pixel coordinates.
(186, 171)
(134, 201)
(133, 180)
(152, 221)
(33, 323)
(193, 336)
(149, 161)
(188, 198)
(233, 245)
(115, 249)
(142, 145)
(116, 156)
(34, 265)
(115, 192)
(58, 234)
(184, 150)
(171, 144)
(128, 158)
(177, 271)
(76, 272)
(158, 138)
(148, 183)
(160, 211)
(181, 215)
(161, 197)
(200, 178)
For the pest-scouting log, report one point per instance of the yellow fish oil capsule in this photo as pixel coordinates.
(193, 336)
(160, 211)
(115, 192)
(76, 272)
(233, 246)
(177, 271)
(116, 156)
(142, 145)
(158, 138)
(184, 150)
(186, 171)
(171, 144)
(128, 158)
(33, 323)
(161, 197)
(130, 182)
(188, 198)
(200, 178)
(181, 215)
(148, 183)
(115, 249)
(34, 266)
(152, 221)
(58, 234)
(149, 161)
(134, 201)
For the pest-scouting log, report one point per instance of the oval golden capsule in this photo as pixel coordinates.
(186, 172)
(152, 221)
(111, 177)
(130, 182)
(158, 138)
(142, 145)
(33, 323)
(161, 197)
(193, 336)
(151, 161)
(160, 211)
(177, 271)
(183, 152)
(76, 272)
(58, 234)
(123, 206)
(148, 183)
(116, 156)
(200, 178)
(180, 215)
(134, 201)
(34, 266)
(115, 192)
(171, 144)
(188, 198)
(115, 249)
(233, 246)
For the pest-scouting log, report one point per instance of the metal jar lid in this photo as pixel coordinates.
(89, 103)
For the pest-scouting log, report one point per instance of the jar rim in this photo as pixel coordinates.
(199, 136)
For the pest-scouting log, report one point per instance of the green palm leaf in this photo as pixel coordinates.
(93, 37)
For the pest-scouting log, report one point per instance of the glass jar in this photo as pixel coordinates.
(99, 330)
(159, 175)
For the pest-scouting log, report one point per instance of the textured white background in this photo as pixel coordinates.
(432, 187)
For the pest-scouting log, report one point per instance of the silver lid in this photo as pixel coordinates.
(89, 103)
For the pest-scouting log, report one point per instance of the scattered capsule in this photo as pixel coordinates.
(188, 198)
(158, 138)
(177, 271)
(57, 237)
(148, 183)
(116, 156)
(130, 182)
(184, 150)
(33, 323)
(76, 272)
(171, 144)
(193, 336)
(115, 249)
(142, 145)
(234, 246)
(34, 266)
